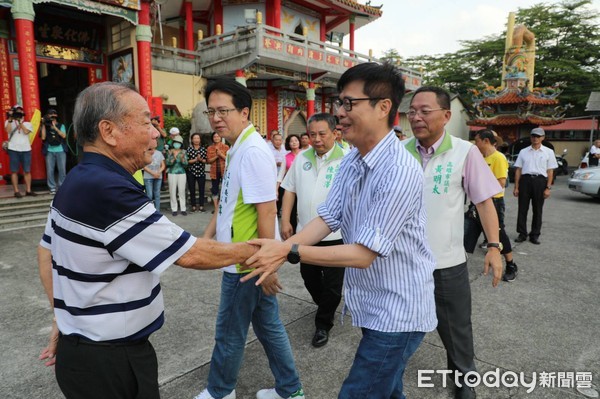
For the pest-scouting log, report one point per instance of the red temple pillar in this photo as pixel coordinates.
(217, 15)
(5, 95)
(323, 28)
(272, 109)
(143, 36)
(189, 27)
(323, 101)
(23, 15)
(273, 8)
(351, 22)
(310, 100)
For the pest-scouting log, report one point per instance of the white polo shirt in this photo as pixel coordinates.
(310, 178)
(250, 178)
(536, 162)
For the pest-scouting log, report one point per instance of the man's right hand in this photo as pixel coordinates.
(516, 192)
(286, 229)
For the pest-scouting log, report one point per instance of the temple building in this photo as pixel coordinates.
(289, 53)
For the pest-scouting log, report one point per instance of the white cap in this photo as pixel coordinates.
(174, 131)
(538, 131)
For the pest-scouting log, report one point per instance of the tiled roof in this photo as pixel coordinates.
(514, 120)
(512, 97)
(361, 7)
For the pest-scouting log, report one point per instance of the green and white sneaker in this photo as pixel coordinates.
(272, 394)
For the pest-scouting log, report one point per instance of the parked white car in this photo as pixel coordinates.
(586, 181)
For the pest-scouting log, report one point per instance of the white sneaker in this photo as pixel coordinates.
(205, 395)
(272, 394)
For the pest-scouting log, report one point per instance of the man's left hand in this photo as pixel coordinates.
(493, 259)
(49, 352)
(271, 285)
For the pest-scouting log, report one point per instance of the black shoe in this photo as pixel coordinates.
(174, 213)
(511, 272)
(464, 392)
(31, 193)
(521, 238)
(18, 195)
(320, 339)
(184, 213)
(534, 240)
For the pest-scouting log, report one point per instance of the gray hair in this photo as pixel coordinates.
(320, 117)
(100, 101)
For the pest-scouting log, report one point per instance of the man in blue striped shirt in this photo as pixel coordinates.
(103, 250)
(377, 202)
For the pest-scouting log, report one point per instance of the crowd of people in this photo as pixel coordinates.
(366, 212)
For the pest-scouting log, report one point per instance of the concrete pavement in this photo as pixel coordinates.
(545, 321)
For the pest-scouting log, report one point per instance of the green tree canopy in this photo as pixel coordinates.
(567, 52)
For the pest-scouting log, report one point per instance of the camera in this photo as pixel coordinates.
(18, 114)
(48, 119)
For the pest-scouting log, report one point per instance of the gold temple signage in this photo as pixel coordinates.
(70, 54)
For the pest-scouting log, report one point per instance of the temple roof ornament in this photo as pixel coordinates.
(516, 101)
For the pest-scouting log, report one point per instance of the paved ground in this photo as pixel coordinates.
(545, 321)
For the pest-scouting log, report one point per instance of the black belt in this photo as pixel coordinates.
(532, 175)
(78, 340)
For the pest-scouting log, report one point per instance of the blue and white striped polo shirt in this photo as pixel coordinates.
(109, 246)
(377, 201)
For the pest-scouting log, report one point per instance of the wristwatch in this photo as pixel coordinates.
(293, 256)
(548, 188)
(494, 245)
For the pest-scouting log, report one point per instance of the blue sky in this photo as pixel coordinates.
(436, 26)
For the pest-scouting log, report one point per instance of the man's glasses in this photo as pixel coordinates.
(423, 113)
(348, 103)
(222, 113)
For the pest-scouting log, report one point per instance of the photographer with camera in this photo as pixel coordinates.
(54, 149)
(19, 148)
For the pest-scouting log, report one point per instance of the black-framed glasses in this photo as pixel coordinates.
(348, 102)
(423, 113)
(222, 113)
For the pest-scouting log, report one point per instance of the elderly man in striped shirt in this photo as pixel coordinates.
(377, 202)
(103, 250)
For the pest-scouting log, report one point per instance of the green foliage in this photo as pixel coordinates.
(184, 123)
(392, 56)
(567, 52)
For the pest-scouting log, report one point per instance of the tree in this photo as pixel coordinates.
(392, 56)
(567, 52)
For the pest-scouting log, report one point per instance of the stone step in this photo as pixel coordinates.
(27, 212)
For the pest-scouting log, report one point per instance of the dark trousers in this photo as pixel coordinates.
(280, 193)
(473, 229)
(453, 309)
(325, 287)
(192, 181)
(92, 371)
(531, 189)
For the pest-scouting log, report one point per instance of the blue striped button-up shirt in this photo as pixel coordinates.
(377, 201)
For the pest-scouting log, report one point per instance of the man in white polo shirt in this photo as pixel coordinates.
(246, 210)
(533, 179)
(310, 178)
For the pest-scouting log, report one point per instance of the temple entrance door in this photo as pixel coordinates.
(59, 86)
